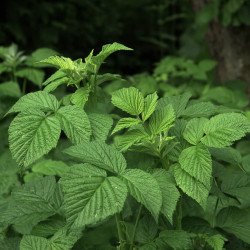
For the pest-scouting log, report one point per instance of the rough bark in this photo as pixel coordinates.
(229, 46)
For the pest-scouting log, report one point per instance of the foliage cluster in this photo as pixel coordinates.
(157, 161)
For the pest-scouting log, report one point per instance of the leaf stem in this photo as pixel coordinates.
(121, 234)
(135, 227)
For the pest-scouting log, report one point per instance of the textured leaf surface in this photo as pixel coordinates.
(38, 100)
(90, 195)
(145, 189)
(191, 186)
(129, 100)
(30, 242)
(32, 135)
(235, 221)
(161, 119)
(63, 63)
(201, 109)
(56, 76)
(149, 106)
(196, 161)
(179, 103)
(125, 123)
(53, 85)
(100, 125)
(80, 97)
(99, 154)
(222, 130)
(194, 130)
(216, 241)
(170, 193)
(75, 123)
(177, 239)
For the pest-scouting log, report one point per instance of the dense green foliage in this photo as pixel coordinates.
(137, 164)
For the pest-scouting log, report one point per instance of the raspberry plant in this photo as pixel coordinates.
(156, 179)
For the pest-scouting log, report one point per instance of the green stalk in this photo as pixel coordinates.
(135, 227)
(121, 234)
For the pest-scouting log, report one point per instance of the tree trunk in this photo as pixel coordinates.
(229, 46)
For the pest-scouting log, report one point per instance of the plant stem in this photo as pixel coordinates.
(179, 214)
(121, 234)
(135, 227)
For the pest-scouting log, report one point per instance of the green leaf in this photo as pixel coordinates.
(146, 230)
(33, 202)
(56, 76)
(145, 189)
(179, 103)
(107, 78)
(197, 162)
(60, 62)
(125, 141)
(36, 76)
(125, 123)
(31, 135)
(11, 89)
(75, 123)
(91, 196)
(235, 221)
(191, 186)
(100, 125)
(207, 65)
(222, 130)
(216, 241)
(176, 239)
(99, 154)
(54, 84)
(194, 130)
(162, 119)
(30, 242)
(80, 97)
(37, 100)
(170, 193)
(107, 50)
(149, 106)
(50, 167)
(129, 100)
(201, 109)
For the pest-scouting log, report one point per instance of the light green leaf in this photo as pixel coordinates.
(149, 106)
(11, 89)
(100, 125)
(91, 196)
(125, 123)
(179, 103)
(36, 76)
(197, 162)
(125, 141)
(80, 97)
(177, 239)
(216, 241)
(201, 109)
(60, 62)
(194, 130)
(107, 50)
(37, 100)
(162, 119)
(145, 189)
(75, 123)
(107, 78)
(207, 65)
(99, 154)
(31, 135)
(235, 221)
(222, 130)
(50, 167)
(56, 76)
(54, 84)
(170, 193)
(129, 100)
(30, 242)
(191, 186)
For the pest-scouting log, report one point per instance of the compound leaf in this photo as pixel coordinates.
(125, 123)
(149, 106)
(30, 242)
